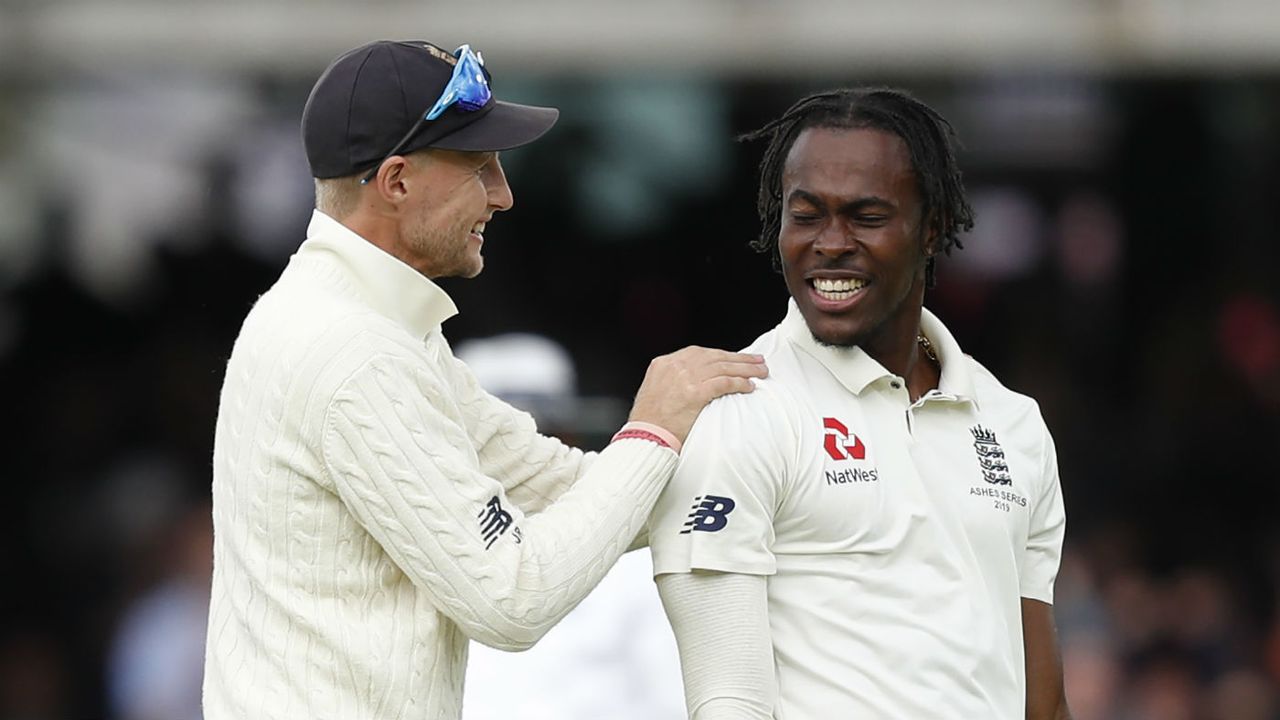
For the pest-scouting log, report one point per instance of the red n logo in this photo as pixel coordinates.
(837, 436)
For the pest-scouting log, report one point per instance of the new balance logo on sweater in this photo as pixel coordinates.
(493, 521)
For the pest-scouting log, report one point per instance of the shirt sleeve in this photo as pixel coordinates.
(717, 616)
(1047, 527)
(717, 513)
(400, 458)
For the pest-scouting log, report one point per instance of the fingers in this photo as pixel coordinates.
(697, 354)
(727, 385)
(740, 369)
(692, 367)
(727, 376)
(677, 386)
(712, 355)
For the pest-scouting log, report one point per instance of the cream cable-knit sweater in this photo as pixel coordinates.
(374, 508)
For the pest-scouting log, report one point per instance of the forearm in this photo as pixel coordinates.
(534, 469)
(570, 546)
(717, 616)
(407, 474)
(1046, 698)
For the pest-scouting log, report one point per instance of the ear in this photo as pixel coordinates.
(389, 182)
(930, 249)
(930, 235)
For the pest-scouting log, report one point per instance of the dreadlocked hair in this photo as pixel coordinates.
(930, 140)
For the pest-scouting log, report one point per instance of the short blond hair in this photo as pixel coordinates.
(338, 197)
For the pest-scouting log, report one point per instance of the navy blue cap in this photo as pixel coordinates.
(369, 97)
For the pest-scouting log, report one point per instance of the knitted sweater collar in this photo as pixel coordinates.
(389, 286)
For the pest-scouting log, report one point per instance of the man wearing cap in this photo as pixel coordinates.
(374, 509)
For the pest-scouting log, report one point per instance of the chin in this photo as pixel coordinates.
(836, 337)
(469, 266)
(835, 332)
(838, 341)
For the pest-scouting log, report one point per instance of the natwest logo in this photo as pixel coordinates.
(839, 444)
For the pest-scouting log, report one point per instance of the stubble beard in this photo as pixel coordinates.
(447, 250)
(842, 343)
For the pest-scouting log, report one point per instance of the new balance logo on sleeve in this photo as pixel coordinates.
(709, 513)
(494, 521)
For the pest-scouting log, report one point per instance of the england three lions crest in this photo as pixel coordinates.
(990, 456)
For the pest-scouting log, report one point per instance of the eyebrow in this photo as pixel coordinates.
(862, 203)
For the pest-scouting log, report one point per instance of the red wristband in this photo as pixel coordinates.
(647, 431)
(640, 434)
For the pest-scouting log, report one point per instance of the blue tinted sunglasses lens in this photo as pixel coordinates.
(467, 87)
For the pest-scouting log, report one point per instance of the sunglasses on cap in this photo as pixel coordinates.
(467, 88)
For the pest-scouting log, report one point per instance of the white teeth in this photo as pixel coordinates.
(838, 289)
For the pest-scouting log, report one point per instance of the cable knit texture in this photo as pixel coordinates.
(355, 466)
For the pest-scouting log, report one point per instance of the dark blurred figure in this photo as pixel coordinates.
(33, 677)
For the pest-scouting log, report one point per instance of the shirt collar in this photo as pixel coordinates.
(851, 366)
(389, 286)
(856, 370)
(957, 371)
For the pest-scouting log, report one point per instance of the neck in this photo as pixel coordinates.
(897, 348)
(380, 230)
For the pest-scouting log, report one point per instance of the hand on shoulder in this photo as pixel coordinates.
(677, 386)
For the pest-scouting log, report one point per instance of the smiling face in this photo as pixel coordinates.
(851, 242)
(455, 195)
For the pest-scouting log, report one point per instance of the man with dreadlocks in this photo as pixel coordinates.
(874, 532)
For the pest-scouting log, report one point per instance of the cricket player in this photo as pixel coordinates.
(374, 509)
(876, 530)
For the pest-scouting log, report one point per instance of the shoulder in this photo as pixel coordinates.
(312, 339)
(1017, 415)
(994, 393)
(774, 396)
(765, 422)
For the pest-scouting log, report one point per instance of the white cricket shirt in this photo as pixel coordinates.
(898, 538)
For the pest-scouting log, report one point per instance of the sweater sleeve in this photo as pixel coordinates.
(534, 469)
(397, 453)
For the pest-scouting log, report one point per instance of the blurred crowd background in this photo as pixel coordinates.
(1123, 158)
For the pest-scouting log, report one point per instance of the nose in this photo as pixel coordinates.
(500, 197)
(834, 241)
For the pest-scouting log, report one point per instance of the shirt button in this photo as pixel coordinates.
(895, 385)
